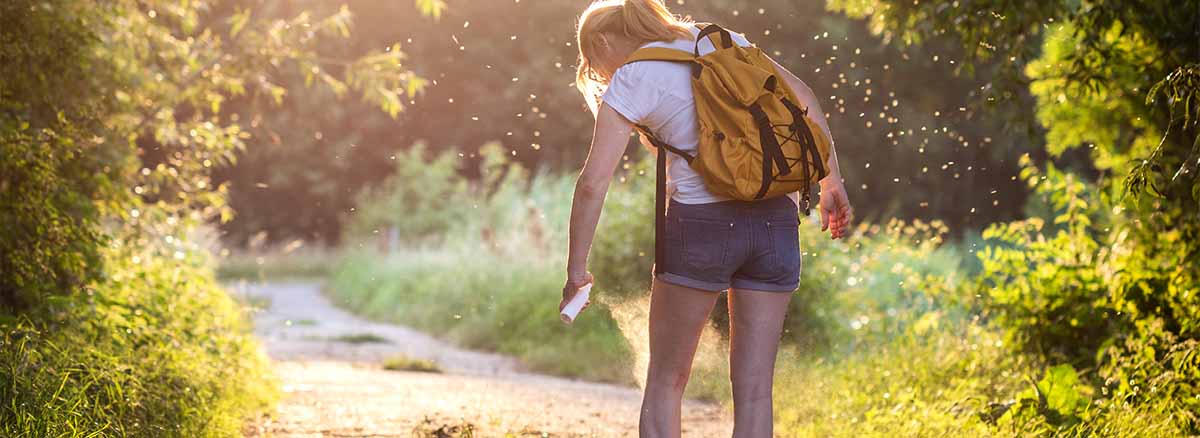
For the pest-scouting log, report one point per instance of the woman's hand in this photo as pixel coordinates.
(836, 213)
(574, 282)
(835, 205)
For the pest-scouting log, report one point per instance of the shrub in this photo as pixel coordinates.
(484, 300)
(923, 382)
(623, 251)
(158, 349)
(1044, 285)
(1080, 290)
(421, 199)
(490, 280)
(478, 282)
(111, 123)
(858, 279)
(50, 170)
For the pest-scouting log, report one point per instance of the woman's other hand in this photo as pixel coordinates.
(574, 282)
(836, 213)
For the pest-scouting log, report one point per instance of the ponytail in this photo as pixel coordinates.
(640, 20)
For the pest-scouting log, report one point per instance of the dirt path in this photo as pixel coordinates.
(335, 388)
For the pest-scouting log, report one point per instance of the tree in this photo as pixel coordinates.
(1109, 276)
(111, 116)
(503, 72)
(1127, 63)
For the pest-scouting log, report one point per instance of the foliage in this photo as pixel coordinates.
(476, 267)
(417, 201)
(1078, 293)
(922, 383)
(1179, 86)
(484, 298)
(959, 379)
(622, 254)
(1059, 398)
(503, 72)
(1111, 283)
(1154, 371)
(1047, 285)
(157, 350)
(490, 266)
(289, 262)
(845, 287)
(885, 336)
(427, 198)
(112, 117)
(141, 126)
(51, 166)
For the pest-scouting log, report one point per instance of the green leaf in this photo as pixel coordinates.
(431, 8)
(1061, 388)
(338, 87)
(277, 93)
(238, 22)
(415, 85)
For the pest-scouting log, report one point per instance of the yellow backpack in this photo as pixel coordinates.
(755, 142)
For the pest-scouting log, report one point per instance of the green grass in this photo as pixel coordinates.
(158, 350)
(502, 303)
(405, 363)
(280, 264)
(361, 338)
(917, 385)
(954, 381)
(883, 338)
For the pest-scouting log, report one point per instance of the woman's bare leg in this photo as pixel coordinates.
(677, 317)
(755, 324)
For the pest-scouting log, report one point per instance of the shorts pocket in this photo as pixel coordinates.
(785, 243)
(705, 243)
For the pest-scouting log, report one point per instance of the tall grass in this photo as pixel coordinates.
(485, 300)
(155, 350)
(879, 340)
(488, 279)
(276, 263)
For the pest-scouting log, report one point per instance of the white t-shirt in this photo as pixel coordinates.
(658, 95)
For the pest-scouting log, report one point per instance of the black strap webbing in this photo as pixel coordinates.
(726, 38)
(772, 153)
(806, 135)
(660, 193)
(660, 211)
(808, 150)
(659, 144)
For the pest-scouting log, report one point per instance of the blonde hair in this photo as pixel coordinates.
(640, 20)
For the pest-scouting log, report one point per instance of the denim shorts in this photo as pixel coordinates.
(740, 244)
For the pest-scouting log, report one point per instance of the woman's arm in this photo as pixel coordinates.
(608, 144)
(835, 205)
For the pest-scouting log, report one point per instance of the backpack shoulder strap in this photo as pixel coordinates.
(662, 145)
(718, 36)
(713, 37)
(712, 31)
(660, 54)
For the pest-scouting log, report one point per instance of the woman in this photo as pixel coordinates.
(757, 258)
